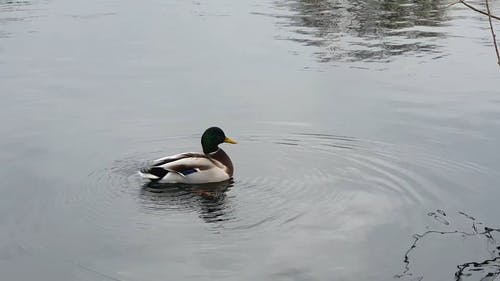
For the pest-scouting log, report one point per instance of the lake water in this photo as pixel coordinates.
(360, 124)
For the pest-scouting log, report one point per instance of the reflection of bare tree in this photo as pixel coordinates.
(366, 30)
(208, 200)
(14, 3)
(13, 6)
(9, 12)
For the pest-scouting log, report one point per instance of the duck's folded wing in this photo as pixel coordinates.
(181, 164)
(172, 158)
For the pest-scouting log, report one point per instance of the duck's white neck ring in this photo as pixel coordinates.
(215, 152)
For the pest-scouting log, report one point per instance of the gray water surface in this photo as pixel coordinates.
(360, 124)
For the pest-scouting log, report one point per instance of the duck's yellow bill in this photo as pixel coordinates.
(230, 140)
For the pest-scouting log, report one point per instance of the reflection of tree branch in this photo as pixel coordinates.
(492, 32)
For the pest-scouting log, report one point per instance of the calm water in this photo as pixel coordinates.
(364, 128)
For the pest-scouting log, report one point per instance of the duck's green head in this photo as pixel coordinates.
(211, 139)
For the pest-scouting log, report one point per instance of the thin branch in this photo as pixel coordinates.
(477, 10)
(493, 32)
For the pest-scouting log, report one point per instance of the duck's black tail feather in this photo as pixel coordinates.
(153, 173)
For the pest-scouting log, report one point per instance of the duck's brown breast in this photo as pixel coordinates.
(222, 157)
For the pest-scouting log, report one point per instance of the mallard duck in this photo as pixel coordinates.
(213, 165)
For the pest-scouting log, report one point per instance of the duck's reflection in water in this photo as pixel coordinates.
(208, 200)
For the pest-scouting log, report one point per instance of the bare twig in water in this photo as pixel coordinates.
(477, 10)
(492, 32)
(489, 276)
(492, 264)
(487, 13)
(417, 238)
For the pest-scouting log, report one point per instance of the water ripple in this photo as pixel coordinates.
(279, 181)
